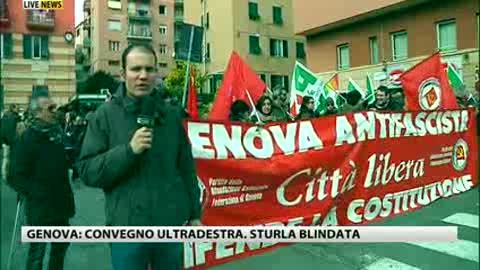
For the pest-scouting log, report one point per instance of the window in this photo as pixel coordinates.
(6, 46)
(114, 63)
(301, 50)
(277, 15)
(35, 47)
(373, 44)
(207, 23)
(279, 48)
(214, 82)
(254, 45)
(253, 10)
(399, 46)
(39, 90)
(343, 57)
(114, 4)
(207, 53)
(278, 80)
(114, 25)
(114, 46)
(78, 32)
(162, 10)
(163, 49)
(163, 30)
(447, 35)
(162, 65)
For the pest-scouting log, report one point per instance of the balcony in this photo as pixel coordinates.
(139, 15)
(178, 17)
(41, 19)
(4, 18)
(86, 24)
(86, 6)
(139, 32)
(87, 42)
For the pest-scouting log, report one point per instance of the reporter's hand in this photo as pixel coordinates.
(141, 140)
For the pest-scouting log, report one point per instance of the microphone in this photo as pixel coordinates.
(146, 118)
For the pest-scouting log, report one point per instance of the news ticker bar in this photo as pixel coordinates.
(296, 234)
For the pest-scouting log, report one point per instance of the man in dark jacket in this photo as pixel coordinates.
(40, 176)
(147, 174)
(384, 101)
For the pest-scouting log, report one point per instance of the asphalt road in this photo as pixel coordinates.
(461, 211)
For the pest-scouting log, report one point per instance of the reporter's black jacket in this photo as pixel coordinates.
(158, 187)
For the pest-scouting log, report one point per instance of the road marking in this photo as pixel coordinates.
(462, 249)
(389, 264)
(463, 219)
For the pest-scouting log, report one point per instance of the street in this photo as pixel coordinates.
(461, 211)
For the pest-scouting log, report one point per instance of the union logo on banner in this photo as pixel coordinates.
(430, 94)
(203, 192)
(460, 155)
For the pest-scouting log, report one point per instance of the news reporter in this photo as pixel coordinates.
(146, 171)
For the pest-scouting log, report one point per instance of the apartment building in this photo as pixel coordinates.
(112, 25)
(387, 37)
(37, 52)
(261, 31)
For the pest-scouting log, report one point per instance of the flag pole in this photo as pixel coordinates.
(187, 71)
(253, 105)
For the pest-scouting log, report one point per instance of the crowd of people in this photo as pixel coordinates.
(274, 106)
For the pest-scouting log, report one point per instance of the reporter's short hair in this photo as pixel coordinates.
(142, 47)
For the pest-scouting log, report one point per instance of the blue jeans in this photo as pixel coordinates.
(133, 256)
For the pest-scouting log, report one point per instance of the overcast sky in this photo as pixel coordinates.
(78, 11)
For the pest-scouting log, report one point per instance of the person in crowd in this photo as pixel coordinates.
(239, 111)
(40, 176)
(8, 135)
(330, 108)
(263, 113)
(307, 109)
(384, 102)
(147, 172)
(279, 110)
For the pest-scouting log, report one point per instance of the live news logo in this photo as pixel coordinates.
(42, 4)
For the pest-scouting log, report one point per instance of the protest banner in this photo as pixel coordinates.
(351, 169)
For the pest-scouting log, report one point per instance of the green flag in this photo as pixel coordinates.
(455, 80)
(304, 83)
(370, 91)
(353, 86)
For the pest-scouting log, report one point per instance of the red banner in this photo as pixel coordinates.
(348, 169)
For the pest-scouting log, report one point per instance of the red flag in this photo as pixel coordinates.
(427, 88)
(192, 108)
(239, 78)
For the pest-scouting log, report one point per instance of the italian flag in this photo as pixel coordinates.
(353, 87)
(304, 83)
(370, 90)
(454, 78)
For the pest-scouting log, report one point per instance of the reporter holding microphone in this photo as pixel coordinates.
(137, 151)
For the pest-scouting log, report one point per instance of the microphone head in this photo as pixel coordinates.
(147, 106)
(147, 112)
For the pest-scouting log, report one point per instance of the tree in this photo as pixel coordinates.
(175, 81)
(99, 80)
